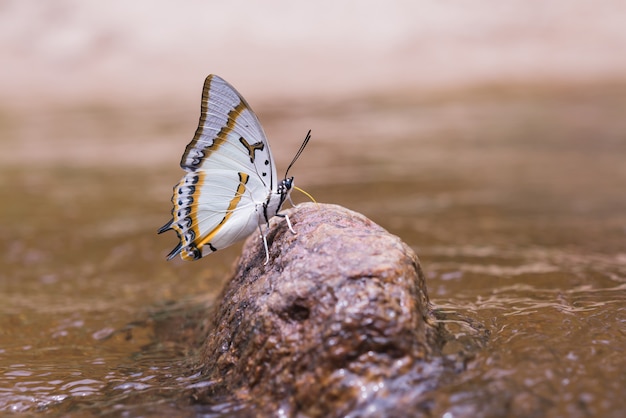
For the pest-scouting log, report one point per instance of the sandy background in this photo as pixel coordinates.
(120, 52)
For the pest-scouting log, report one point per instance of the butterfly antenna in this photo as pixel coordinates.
(306, 141)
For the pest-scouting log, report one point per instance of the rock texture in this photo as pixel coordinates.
(337, 322)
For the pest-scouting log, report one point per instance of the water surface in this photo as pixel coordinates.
(513, 198)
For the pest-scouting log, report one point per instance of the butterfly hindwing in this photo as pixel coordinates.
(212, 215)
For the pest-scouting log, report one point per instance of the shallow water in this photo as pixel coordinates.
(513, 198)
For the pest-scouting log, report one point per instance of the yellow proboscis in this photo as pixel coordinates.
(305, 193)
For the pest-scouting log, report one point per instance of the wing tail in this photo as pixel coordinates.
(175, 251)
(166, 227)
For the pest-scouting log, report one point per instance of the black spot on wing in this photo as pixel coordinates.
(251, 148)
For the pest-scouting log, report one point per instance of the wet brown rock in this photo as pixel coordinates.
(337, 321)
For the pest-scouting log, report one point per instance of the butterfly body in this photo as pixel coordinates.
(230, 188)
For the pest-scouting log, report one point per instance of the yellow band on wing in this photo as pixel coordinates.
(243, 179)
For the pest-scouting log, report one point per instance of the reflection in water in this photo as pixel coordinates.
(514, 204)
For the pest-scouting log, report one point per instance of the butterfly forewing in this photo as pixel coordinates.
(229, 134)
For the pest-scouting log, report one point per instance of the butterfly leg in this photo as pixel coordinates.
(264, 238)
(264, 235)
(288, 222)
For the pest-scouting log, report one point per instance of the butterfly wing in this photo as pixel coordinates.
(229, 135)
(230, 172)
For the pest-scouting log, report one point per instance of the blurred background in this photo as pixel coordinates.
(71, 51)
(154, 55)
(489, 135)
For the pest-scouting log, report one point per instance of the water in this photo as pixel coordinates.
(513, 198)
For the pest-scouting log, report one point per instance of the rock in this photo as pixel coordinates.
(337, 322)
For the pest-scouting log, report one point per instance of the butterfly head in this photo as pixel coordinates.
(276, 199)
(285, 186)
(284, 189)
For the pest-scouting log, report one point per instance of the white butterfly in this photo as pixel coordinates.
(231, 187)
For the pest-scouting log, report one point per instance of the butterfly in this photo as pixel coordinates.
(231, 187)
